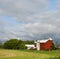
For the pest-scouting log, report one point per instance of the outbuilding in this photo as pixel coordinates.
(44, 44)
(30, 46)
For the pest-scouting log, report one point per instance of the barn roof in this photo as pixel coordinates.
(43, 41)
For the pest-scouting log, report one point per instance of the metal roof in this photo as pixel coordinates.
(43, 41)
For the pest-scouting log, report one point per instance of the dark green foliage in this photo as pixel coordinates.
(11, 44)
(53, 47)
(1, 45)
(21, 45)
(16, 44)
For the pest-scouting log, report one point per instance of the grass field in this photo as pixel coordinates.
(28, 54)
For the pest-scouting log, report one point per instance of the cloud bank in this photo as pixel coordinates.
(29, 19)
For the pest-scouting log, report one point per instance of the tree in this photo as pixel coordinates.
(53, 46)
(16, 44)
(1, 45)
(11, 44)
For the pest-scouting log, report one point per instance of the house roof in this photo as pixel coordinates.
(43, 41)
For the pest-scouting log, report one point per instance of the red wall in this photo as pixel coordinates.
(46, 46)
(42, 46)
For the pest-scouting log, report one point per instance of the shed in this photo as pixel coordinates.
(30, 46)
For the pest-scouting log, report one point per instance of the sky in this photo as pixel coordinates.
(29, 19)
(52, 4)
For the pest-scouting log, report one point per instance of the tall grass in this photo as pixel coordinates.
(29, 54)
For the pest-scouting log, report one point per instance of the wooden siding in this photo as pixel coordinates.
(46, 46)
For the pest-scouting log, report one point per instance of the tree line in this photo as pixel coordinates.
(19, 44)
(15, 44)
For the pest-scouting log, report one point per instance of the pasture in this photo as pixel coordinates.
(28, 54)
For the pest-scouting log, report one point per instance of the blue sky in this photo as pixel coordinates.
(29, 19)
(7, 18)
(52, 4)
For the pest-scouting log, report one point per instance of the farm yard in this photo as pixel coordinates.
(29, 54)
(29, 29)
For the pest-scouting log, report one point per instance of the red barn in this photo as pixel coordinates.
(44, 44)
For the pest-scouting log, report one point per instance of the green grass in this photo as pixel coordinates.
(29, 54)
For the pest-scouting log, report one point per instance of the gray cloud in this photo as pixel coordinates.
(33, 19)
